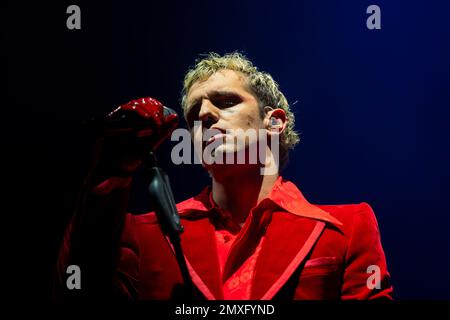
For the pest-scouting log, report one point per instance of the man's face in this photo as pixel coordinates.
(223, 102)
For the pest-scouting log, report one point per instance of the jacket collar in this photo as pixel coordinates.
(287, 196)
(284, 194)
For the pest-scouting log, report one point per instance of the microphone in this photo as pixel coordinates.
(139, 119)
(122, 119)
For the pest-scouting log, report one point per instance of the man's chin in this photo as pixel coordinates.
(224, 159)
(223, 155)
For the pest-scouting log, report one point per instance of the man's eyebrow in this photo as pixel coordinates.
(223, 93)
(213, 93)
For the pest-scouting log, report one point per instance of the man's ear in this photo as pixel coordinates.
(275, 120)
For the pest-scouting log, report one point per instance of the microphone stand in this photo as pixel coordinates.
(161, 195)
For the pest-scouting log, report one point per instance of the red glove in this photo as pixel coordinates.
(129, 133)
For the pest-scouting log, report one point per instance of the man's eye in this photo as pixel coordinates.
(227, 103)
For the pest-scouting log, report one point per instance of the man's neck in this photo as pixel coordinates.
(239, 192)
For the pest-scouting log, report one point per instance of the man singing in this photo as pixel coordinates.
(249, 235)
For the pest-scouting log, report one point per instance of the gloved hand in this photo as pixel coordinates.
(129, 133)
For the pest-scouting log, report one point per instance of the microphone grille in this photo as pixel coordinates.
(168, 111)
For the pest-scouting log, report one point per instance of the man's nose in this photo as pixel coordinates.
(209, 114)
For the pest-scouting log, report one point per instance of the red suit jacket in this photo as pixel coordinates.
(310, 252)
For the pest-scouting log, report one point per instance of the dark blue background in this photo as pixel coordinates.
(373, 108)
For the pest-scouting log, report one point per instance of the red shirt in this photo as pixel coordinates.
(238, 249)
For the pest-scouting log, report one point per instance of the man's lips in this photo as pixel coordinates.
(219, 134)
(216, 137)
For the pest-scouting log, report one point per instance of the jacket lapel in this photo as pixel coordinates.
(290, 236)
(199, 247)
(288, 241)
